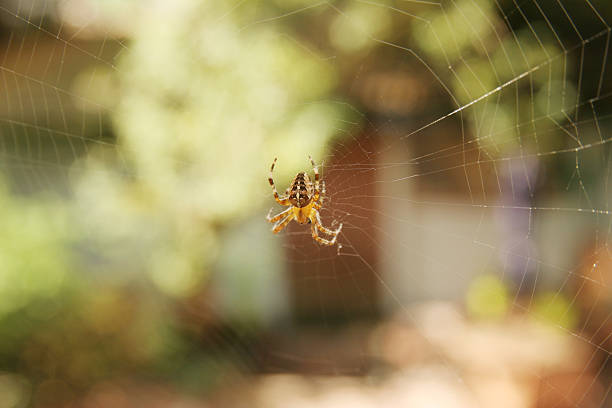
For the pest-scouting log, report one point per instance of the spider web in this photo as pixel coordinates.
(471, 163)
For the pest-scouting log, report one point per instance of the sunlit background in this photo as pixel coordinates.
(465, 148)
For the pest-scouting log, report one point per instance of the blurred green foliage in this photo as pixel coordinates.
(202, 100)
(473, 52)
(206, 102)
(555, 309)
(34, 262)
(487, 298)
(37, 274)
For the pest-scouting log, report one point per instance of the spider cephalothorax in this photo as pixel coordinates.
(304, 200)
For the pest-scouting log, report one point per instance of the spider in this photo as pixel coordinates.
(304, 201)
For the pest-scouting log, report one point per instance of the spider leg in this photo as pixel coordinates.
(316, 226)
(282, 224)
(280, 200)
(319, 203)
(322, 191)
(315, 169)
(277, 216)
(321, 228)
(320, 240)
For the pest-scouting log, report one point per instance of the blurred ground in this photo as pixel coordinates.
(427, 356)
